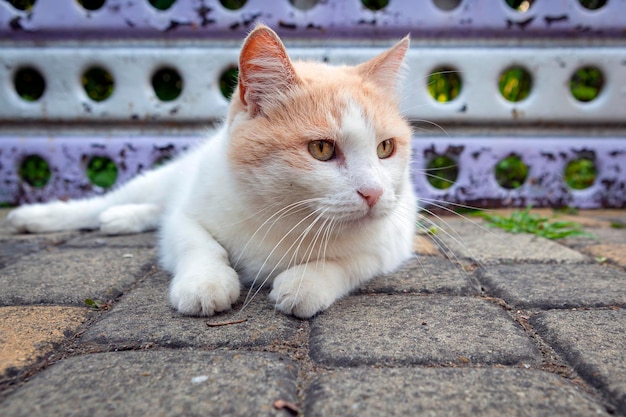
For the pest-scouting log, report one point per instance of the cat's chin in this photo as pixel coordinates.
(360, 218)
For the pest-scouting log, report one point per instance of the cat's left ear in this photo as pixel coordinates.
(265, 70)
(387, 69)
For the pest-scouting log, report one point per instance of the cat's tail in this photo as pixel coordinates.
(134, 207)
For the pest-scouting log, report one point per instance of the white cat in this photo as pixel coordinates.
(306, 185)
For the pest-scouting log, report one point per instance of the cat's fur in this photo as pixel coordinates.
(252, 203)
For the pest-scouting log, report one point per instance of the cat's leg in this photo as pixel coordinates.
(203, 283)
(129, 218)
(307, 289)
(57, 216)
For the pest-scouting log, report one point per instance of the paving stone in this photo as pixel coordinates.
(14, 246)
(158, 383)
(425, 330)
(424, 245)
(425, 275)
(599, 236)
(489, 245)
(365, 392)
(615, 252)
(593, 342)
(31, 332)
(556, 286)
(144, 318)
(98, 240)
(70, 276)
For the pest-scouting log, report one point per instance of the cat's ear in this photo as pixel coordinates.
(265, 70)
(387, 69)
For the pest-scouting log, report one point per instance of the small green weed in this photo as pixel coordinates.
(526, 222)
(99, 305)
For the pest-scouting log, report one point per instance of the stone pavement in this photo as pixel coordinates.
(506, 324)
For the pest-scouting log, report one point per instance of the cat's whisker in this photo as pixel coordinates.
(438, 126)
(443, 205)
(293, 208)
(310, 250)
(279, 262)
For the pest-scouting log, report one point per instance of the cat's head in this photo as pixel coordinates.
(330, 137)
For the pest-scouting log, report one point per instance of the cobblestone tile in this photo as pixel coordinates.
(70, 276)
(428, 330)
(99, 240)
(425, 275)
(556, 286)
(144, 318)
(615, 252)
(31, 332)
(489, 245)
(158, 383)
(593, 342)
(365, 392)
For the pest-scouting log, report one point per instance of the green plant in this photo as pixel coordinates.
(98, 83)
(511, 172)
(526, 222)
(580, 173)
(102, 171)
(167, 84)
(442, 171)
(586, 84)
(444, 84)
(162, 4)
(96, 304)
(515, 84)
(228, 82)
(35, 171)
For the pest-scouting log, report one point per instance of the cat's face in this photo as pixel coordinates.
(328, 140)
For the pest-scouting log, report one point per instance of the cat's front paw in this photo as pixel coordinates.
(205, 293)
(36, 218)
(302, 292)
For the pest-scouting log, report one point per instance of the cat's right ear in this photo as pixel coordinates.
(265, 70)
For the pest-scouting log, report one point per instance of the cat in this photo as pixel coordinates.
(306, 185)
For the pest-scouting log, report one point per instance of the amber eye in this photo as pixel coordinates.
(322, 150)
(385, 148)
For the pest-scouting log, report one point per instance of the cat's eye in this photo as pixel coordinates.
(385, 148)
(322, 150)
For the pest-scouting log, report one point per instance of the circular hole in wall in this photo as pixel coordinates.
(586, 83)
(442, 172)
(91, 4)
(29, 84)
(162, 4)
(167, 84)
(511, 172)
(375, 4)
(233, 4)
(580, 173)
(515, 84)
(35, 171)
(102, 171)
(98, 83)
(304, 4)
(521, 6)
(22, 4)
(592, 4)
(444, 84)
(228, 81)
(447, 5)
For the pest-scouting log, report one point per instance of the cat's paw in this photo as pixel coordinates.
(205, 293)
(301, 292)
(37, 218)
(129, 218)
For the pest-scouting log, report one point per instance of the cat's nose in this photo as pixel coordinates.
(370, 195)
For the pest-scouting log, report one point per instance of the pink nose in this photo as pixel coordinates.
(370, 195)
